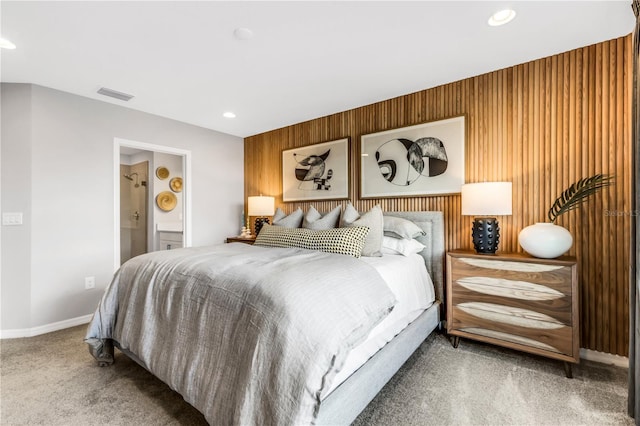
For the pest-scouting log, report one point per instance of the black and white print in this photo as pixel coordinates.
(312, 172)
(402, 161)
(425, 159)
(316, 172)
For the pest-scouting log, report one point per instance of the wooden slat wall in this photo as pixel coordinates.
(542, 125)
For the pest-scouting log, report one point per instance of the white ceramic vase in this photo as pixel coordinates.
(545, 240)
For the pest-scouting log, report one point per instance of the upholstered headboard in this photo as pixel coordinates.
(432, 223)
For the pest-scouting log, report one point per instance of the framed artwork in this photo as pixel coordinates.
(425, 159)
(316, 172)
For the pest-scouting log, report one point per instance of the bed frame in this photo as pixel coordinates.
(346, 402)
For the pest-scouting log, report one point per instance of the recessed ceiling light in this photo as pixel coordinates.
(6, 44)
(229, 114)
(242, 33)
(502, 17)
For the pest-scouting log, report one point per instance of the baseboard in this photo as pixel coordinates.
(47, 328)
(604, 358)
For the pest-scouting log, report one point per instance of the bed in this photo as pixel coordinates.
(305, 379)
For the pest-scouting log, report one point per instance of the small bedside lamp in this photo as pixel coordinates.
(486, 199)
(261, 206)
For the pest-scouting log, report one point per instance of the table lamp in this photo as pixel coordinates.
(486, 199)
(261, 206)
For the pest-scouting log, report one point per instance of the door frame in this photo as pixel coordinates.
(186, 189)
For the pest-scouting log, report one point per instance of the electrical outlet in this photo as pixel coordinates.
(89, 283)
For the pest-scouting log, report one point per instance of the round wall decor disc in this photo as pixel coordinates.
(176, 184)
(166, 201)
(162, 172)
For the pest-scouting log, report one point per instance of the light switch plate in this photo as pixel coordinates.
(11, 219)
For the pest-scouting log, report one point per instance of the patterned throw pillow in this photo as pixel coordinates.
(294, 220)
(349, 241)
(314, 220)
(398, 227)
(372, 220)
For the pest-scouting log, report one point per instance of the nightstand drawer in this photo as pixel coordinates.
(514, 326)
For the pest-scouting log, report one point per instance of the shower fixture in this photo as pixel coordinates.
(130, 177)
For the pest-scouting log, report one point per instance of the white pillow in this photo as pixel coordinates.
(404, 247)
(316, 221)
(294, 220)
(372, 220)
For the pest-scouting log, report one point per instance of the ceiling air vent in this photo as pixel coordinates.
(115, 94)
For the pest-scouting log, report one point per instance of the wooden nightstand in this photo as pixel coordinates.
(241, 240)
(516, 301)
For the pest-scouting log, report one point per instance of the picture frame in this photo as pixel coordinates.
(421, 160)
(316, 172)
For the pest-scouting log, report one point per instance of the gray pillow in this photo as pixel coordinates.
(294, 220)
(316, 221)
(373, 220)
(348, 241)
(397, 227)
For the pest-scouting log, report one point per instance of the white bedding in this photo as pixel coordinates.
(411, 284)
(222, 324)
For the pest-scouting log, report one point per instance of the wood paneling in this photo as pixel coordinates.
(542, 125)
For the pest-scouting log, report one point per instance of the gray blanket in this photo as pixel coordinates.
(247, 335)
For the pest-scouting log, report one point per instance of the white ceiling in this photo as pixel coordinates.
(306, 59)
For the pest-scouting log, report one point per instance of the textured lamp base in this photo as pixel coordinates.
(486, 235)
(259, 222)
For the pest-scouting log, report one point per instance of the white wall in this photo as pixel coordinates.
(68, 234)
(15, 153)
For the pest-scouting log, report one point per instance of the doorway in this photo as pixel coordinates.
(139, 221)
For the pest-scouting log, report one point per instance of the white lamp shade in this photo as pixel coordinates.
(486, 199)
(261, 206)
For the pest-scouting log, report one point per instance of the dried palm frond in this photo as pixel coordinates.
(577, 194)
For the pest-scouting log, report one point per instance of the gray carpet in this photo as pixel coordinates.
(52, 379)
